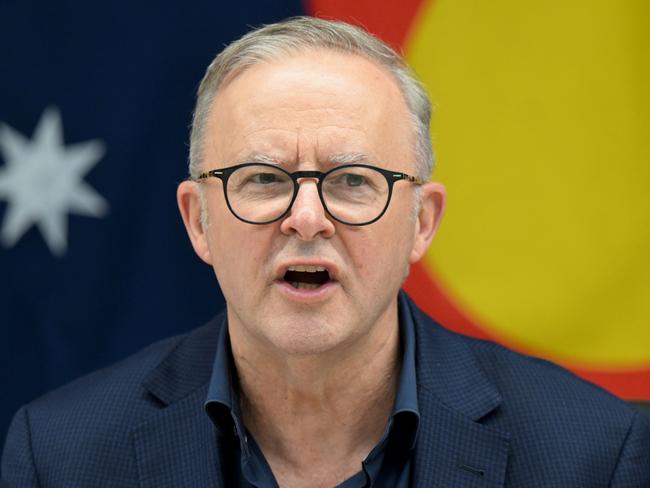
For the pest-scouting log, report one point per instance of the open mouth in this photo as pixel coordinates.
(307, 277)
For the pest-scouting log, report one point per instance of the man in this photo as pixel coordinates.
(309, 197)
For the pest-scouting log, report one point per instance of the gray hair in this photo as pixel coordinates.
(298, 33)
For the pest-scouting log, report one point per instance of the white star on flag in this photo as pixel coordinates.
(42, 181)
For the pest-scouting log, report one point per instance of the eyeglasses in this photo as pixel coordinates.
(353, 194)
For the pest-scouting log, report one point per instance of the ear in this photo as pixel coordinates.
(189, 204)
(432, 208)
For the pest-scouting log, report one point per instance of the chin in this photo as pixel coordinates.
(304, 349)
(307, 338)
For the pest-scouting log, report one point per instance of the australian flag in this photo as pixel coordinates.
(95, 103)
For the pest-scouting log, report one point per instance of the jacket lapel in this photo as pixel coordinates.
(454, 448)
(177, 444)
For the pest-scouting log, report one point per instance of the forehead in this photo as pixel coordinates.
(309, 105)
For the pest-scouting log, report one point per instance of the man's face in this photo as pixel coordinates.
(305, 112)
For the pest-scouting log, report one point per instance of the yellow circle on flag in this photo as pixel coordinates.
(542, 133)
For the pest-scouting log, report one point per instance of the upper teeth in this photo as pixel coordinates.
(308, 269)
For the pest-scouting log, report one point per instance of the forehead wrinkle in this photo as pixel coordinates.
(353, 141)
(298, 133)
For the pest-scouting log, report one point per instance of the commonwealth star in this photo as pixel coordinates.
(42, 181)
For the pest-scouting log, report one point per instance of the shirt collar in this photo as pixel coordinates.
(222, 404)
(406, 411)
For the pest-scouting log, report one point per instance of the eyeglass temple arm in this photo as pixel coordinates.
(207, 174)
(413, 179)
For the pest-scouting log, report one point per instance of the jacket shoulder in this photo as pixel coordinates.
(561, 429)
(122, 387)
(567, 426)
(528, 380)
(121, 381)
(84, 426)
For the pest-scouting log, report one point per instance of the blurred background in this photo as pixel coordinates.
(541, 130)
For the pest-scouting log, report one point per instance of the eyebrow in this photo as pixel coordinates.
(349, 158)
(257, 157)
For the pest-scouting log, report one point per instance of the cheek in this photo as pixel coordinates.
(240, 254)
(380, 258)
(387, 253)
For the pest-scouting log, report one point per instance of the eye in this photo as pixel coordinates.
(264, 178)
(351, 179)
(347, 180)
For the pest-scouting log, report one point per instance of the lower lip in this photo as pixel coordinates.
(306, 294)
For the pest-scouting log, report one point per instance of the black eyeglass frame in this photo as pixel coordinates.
(391, 178)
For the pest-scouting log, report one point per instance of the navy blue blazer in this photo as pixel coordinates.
(489, 417)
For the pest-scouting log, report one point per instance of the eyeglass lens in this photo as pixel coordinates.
(262, 193)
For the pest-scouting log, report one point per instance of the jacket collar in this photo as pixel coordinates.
(448, 368)
(176, 444)
(454, 448)
(187, 367)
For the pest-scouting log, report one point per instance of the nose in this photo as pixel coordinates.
(307, 217)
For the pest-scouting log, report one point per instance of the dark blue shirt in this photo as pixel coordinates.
(387, 465)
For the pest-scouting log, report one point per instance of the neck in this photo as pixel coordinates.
(341, 398)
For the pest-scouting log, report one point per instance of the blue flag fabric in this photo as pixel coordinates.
(95, 104)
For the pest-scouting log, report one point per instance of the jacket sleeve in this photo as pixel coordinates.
(633, 466)
(18, 468)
